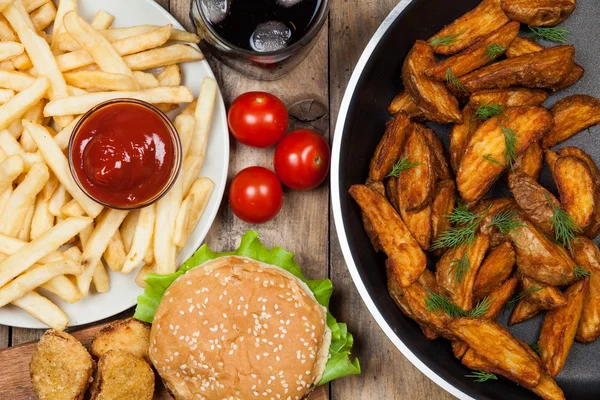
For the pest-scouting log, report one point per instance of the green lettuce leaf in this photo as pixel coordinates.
(339, 363)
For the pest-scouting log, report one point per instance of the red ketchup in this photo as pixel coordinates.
(123, 154)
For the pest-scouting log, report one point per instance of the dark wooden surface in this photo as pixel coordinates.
(305, 224)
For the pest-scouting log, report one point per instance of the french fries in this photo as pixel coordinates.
(43, 310)
(101, 81)
(538, 12)
(174, 54)
(572, 115)
(141, 239)
(16, 107)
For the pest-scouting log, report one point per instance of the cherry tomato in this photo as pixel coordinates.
(302, 159)
(256, 195)
(258, 119)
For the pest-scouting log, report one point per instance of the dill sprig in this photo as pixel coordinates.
(487, 111)
(436, 303)
(459, 268)
(481, 376)
(402, 165)
(581, 272)
(489, 158)
(446, 40)
(536, 347)
(510, 142)
(481, 308)
(451, 79)
(505, 221)
(493, 50)
(565, 229)
(461, 215)
(520, 296)
(463, 234)
(553, 34)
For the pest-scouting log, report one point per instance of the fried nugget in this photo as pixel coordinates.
(121, 375)
(129, 334)
(61, 368)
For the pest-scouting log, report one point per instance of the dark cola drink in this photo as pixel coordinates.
(261, 25)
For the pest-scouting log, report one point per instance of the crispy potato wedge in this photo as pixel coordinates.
(489, 208)
(389, 148)
(476, 174)
(431, 96)
(427, 279)
(391, 191)
(538, 12)
(459, 348)
(442, 206)
(455, 278)
(461, 134)
(412, 301)
(523, 311)
(576, 188)
(521, 46)
(440, 160)
(416, 184)
(572, 115)
(495, 269)
(376, 186)
(587, 255)
(477, 55)
(406, 258)
(499, 297)
(539, 257)
(504, 352)
(403, 102)
(531, 161)
(418, 223)
(551, 157)
(463, 32)
(511, 97)
(128, 334)
(545, 297)
(559, 328)
(532, 198)
(542, 69)
(574, 76)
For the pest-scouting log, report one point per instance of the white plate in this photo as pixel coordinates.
(123, 290)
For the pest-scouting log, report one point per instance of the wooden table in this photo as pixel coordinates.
(305, 224)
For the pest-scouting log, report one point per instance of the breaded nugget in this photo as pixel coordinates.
(121, 375)
(61, 368)
(129, 334)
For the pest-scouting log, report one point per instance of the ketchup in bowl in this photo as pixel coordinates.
(125, 154)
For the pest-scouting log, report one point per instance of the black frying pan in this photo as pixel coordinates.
(361, 123)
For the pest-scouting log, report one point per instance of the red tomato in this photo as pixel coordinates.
(256, 195)
(258, 119)
(302, 159)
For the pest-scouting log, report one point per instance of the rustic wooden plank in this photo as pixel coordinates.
(386, 374)
(164, 3)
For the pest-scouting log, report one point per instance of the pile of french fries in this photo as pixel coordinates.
(47, 81)
(533, 251)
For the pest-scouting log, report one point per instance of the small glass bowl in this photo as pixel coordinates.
(174, 135)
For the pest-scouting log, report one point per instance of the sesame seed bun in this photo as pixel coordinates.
(235, 328)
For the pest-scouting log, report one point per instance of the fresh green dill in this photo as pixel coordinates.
(505, 221)
(536, 347)
(481, 308)
(451, 79)
(463, 234)
(553, 34)
(581, 272)
(487, 111)
(436, 303)
(458, 268)
(402, 165)
(481, 376)
(489, 158)
(510, 142)
(493, 50)
(446, 40)
(520, 296)
(565, 229)
(589, 131)
(461, 215)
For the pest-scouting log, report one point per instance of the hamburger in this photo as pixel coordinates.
(243, 325)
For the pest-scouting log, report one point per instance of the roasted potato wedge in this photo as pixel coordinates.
(559, 328)
(489, 208)
(545, 297)
(403, 102)
(461, 134)
(442, 206)
(572, 115)
(498, 347)
(418, 223)
(576, 188)
(539, 257)
(389, 148)
(476, 172)
(523, 311)
(587, 255)
(533, 198)
(538, 12)
(412, 301)
(431, 96)
(574, 76)
(406, 258)
(416, 184)
(499, 297)
(476, 55)
(463, 32)
(456, 271)
(531, 161)
(391, 191)
(122, 375)
(542, 69)
(511, 97)
(440, 162)
(459, 348)
(551, 157)
(128, 334)
(495, 269)
(521, 46)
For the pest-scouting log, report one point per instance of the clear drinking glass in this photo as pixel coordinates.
(267, 65)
